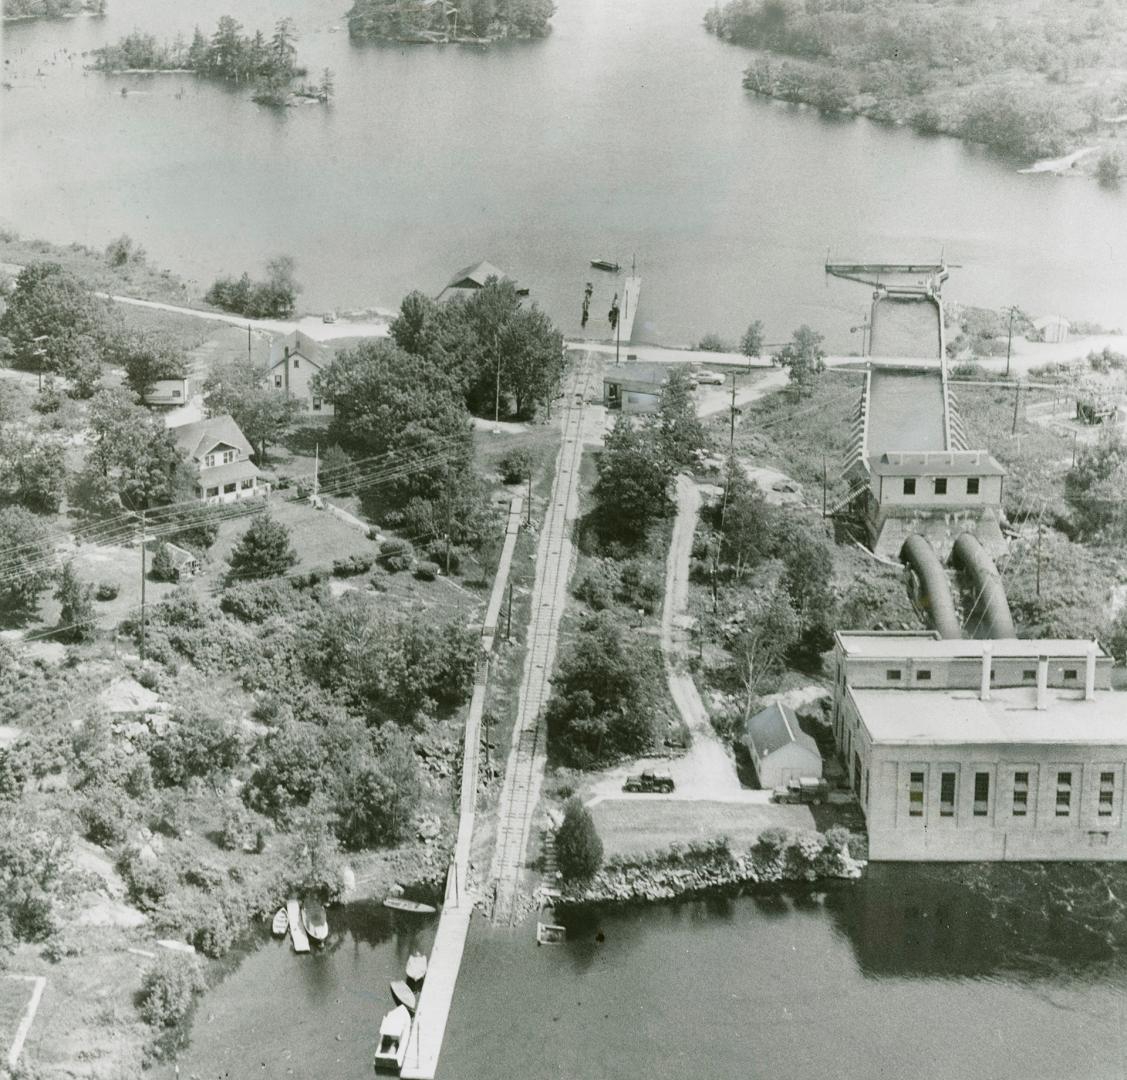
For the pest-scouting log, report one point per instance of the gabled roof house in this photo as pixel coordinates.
(221, 455)
(294, 361)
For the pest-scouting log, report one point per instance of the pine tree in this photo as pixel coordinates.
(76, 614)
(579, 851)
(263, 551)
(163, 568)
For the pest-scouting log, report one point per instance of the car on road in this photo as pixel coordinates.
(806, 789)
(709, 378)
(652, 780)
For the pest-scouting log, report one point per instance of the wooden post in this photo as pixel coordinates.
(1038, 557)
(528, 508)
(732, 419)
(825, 484)
(142, 545)
(1009, 341)
(1017, 399)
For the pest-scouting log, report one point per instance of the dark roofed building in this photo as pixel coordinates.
(779, 748)
(471, 278)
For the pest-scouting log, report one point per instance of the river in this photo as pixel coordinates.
(1006, 972)
(625, 132)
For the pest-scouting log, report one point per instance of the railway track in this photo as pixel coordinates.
(525, 767)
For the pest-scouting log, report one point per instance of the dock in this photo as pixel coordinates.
(631, 291)
(297, 931)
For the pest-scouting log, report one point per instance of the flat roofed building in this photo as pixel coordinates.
(634, 388)
(1024, 760)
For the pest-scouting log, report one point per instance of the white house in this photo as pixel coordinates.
(294, 360)
(779, 748)
(221, 455)
(169, 393)
(1052, 328)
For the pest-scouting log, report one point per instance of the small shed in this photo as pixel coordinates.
(634, 388)
(779, 748)
(126, 697)
(1054, 329)
(184, 564)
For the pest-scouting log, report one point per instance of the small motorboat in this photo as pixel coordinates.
(314, 919)
(550, 934)
(281, 923)
(605, 264)
(392, 1047)
(403, 995)
(401, 903)
(416, 968)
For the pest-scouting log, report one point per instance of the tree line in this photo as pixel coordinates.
(413, 20)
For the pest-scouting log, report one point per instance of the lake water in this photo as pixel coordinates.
(625, 132)
(927, 972)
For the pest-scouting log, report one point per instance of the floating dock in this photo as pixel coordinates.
(628, 309)
(297, 931)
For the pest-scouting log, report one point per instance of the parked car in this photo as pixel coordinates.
(650, 780)
(806, 789)
(710, 378)
(329, 316)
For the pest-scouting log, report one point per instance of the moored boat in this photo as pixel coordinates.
(415, 907)
(605, 264)
(416, 968)
(281, 923)
(402, 994)
(314, 919)
(392, 1047)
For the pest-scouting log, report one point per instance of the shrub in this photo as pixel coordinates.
(713, 342)
(376, 803)
(352, 566)
(427, 571)
(579, 851)
(771, 842)
(641, 586)
(162, 568)
(107, 590)
(598, 584)
(105, 815)
(147, 882)
(235, 828)
(396, 554)
(200, 745)
(448, 557)
(263, 550)
(169, 988)
(516, 465)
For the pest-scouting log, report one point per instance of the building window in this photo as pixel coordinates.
(866, 787)
(248, 483)
(916, 794)
(228, 488)
(941, 485)
(892, 674)
(923, 676)
(1107, 793)
(316, 404)
(212, 492)
(1021, 793)
(1070, 673)
(1064, 794)
(295, 365)
(1029, 674)
(909, 485)
(972, 485)
(947, 794)
(981, 793)
(277, 382)
(175, 393)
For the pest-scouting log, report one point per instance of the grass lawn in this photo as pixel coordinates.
(634, 826)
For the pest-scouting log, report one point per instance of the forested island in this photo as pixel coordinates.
(1032, 82)
(425, 22)
(51, 9)
(270, 65)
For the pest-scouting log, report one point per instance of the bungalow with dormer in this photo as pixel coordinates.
(294, 360)
(221, 455)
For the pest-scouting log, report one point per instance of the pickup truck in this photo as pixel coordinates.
(649, 781)
(806, 789)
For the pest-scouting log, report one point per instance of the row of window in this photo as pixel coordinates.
(940, 485)
(224, 458)
(1020, 806)
(231, 487)
(1028, 674)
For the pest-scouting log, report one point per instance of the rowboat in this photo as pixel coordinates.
(605, 264)
(281, 923)
(550, 934)
(402, 994)
(416, 968)
(314, 920)
(401, 903)
(392, 1047)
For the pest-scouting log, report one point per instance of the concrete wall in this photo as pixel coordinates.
(888, 530)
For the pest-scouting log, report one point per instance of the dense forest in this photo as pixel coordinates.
(51, 9)
(428, 21)
(1031, 81)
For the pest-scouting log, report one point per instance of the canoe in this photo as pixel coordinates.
(281, 923)
(392, 1047)
(314, 920)
(401, 903)
(416, 968)
(605, 264)
(402, 994)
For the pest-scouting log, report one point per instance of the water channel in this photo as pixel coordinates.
(625, 131)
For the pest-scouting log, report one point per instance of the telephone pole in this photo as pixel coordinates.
(1009, 341)
(497, 398)
(732, 419)
(528, 508)
(1038, 558)
(825, 484)
(142, 546)
(1017, 399)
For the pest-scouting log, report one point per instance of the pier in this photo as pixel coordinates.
(297, 932)
(631, 291)
(425, 1039)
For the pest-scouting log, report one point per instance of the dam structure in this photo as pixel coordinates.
(923, 493)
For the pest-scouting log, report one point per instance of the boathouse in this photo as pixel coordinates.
(779, 749)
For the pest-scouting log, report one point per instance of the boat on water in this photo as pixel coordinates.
(314, 919)
(605, 264)
(415, 907)
(281, 923)
(416, 968)
(550, 933)
(392, 1047)
(403, 995)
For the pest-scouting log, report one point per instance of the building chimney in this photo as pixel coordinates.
(1042, 682)
(987, 659)
(1090, 673)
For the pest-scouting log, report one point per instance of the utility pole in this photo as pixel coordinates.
(528, 507)
(509, 628)
(1017, 399)
(142, 546)
(447, 554)
(316, 467)
(250, 357)
(732, 419)
(40, 352)
(1038, 557)
(1009, 341)
(617, 332)
(825, 484)
(497, 398)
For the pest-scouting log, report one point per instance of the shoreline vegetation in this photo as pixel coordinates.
(417, 22)
(1033, 85)
(26, 10)
(269, 66)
